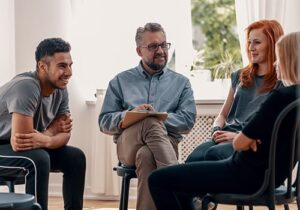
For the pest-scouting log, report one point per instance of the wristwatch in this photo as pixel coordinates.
(215, 128)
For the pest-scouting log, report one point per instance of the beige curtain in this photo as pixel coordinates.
(104, 157)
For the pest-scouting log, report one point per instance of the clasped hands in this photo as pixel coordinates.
(223, 136)
(36, 139)
(226, 136)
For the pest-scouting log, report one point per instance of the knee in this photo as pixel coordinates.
(41, 158)
(214, 153)
(199, 153)
(41, 161)
(76, 157)
(194, 156)
(219, 152)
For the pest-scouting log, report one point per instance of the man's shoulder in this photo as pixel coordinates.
(24, 81)
(174, 74)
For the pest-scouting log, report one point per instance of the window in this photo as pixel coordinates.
(215, 41)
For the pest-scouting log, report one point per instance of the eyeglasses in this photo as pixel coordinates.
(153, 46)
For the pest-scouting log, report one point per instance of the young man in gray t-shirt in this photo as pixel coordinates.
(35, 125)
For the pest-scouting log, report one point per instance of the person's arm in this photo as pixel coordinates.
(259, 129)
(112, 111)
(221, 118)
(241, 142)
(217, 134)
(183, 118)
(24, 137)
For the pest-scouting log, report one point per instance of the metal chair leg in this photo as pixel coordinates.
(125, 192)
(122, 194)
(205, 201)
(239, 207)
(286, 206)
(298, 202)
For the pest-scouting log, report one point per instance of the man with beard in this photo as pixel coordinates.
(35, 125)
(150, 143)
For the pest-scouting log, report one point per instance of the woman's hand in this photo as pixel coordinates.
(223, 136)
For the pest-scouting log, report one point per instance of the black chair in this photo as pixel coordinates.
(12, 176)
(126, 173)
(268, 195)
(17, 201)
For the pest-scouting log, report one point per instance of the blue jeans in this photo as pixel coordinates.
(209, 150)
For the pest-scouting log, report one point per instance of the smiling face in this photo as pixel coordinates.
(55, 72)
(153, 60)
(258, 47)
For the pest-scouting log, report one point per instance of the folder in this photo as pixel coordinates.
(132, 117)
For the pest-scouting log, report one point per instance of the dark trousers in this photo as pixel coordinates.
(209, 150)
(172, 187)
(40, 162)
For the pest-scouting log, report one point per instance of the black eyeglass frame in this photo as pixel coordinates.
(154, 46)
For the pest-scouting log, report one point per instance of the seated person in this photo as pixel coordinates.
(243, 172)
(36, 125)
(249, 88)
(150, 143)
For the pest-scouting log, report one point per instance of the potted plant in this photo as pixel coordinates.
(198, 70)
(225, 67)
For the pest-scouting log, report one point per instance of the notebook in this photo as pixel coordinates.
(132, 117)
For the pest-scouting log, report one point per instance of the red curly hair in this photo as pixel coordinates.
(273, 30)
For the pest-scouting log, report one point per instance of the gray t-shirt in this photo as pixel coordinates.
(246, 102)
(23, 95)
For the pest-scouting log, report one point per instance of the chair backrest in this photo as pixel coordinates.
(10, 176)
(292, 111)
(267, 194)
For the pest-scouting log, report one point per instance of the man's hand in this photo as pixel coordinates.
(144, 107)
(22, 141)
(223, 136)
(61, 124)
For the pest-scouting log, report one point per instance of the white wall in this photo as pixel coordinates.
(7, 44)
(105, 43)
(36, 20)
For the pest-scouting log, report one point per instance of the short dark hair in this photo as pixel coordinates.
(49, 46)
(151, 27)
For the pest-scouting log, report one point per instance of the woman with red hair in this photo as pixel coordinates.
(249, 89)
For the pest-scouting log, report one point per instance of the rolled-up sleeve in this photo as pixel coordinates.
(112, 111)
